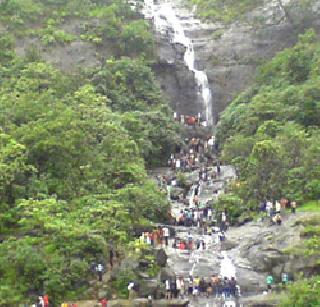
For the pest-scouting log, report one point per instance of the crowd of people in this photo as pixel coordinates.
(274, 210)
(190, 120)
(190, 155)
(211, 287)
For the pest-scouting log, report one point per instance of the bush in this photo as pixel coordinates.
(304, 293)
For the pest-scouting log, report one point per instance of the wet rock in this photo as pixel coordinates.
(160, 257)
(167, 273)
(227, 245)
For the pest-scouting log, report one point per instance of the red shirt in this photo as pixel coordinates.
(104, 302)
(46, 300)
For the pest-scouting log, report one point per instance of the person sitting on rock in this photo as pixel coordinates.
(278, 219)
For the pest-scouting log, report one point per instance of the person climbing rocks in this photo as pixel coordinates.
(269, 282)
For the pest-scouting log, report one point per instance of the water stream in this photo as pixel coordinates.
(165, 17)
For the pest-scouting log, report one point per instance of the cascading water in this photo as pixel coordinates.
(164, 19)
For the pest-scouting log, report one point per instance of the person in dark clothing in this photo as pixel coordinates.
(202, 286)
(233, 286)
(111, 255)
(218, 168)
(173, 288)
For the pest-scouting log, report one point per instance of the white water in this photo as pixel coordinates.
(227, 267)
(166, 19)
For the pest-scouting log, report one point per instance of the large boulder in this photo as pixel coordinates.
(160, 257)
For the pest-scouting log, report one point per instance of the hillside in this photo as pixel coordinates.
(75, 143)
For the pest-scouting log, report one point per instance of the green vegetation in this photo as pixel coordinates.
(74, 150)
(311, 206)
(102, 22)
(224, 11)
(303, 293)
(271, 132)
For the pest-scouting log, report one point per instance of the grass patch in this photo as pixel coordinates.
(311, 206)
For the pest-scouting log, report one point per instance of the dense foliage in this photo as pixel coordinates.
(304, 293)
(109, 23)
(271, 132)
(73, 149)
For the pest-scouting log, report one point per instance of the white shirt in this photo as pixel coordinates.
(131, 285)
(209, 212)
(178, 282)
(178, 163)
(165, 231)
(100, 268)
(223, 217)
(167, 285)
(278, 206)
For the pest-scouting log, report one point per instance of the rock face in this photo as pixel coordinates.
(231, 53)
(262, 249)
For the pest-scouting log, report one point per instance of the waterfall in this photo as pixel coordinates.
(165, 18)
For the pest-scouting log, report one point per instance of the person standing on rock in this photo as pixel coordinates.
(181, 290)
(269, 282)
(223, 222)
(209, 214)
(100, 271)
(46, 300)
(131, 289)
(218, 168)
(173, 288)
(165, 231)
(190, 285)
(269, 207)
(168, 290)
